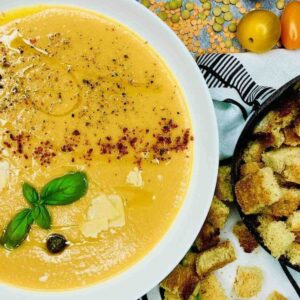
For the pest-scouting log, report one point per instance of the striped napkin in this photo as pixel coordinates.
(238, 84)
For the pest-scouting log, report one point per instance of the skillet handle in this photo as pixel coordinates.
(290, 278)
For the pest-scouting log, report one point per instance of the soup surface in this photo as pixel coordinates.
(79, 91)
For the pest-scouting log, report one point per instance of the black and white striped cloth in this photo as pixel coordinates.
(239, 83)
(227, 71)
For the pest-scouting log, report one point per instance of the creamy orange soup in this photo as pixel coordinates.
(79, 91)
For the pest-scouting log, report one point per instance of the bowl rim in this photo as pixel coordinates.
(150, 270)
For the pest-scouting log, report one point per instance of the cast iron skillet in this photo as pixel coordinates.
(288, 91)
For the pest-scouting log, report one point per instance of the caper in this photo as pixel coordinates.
(56, 243)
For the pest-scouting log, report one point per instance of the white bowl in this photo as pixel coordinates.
(148, 272)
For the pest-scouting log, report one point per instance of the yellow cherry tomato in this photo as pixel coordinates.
(259, 31)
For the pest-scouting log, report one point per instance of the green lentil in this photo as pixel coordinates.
(173, 4)
(220, 20)
(217, 11)
(175, 18)
(225, 8)
(228, 43)
(233, 2)
(226, 1)
(280, 4)
(189, 6)
(146, 3)
(228, 16)
(202, 16)
(203, 1)
(217, 27)
(179, 3)
(185, 14)
(232, 27)
(167, 5)
(207, 5)
(163, 15)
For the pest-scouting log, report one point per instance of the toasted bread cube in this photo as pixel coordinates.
(287, 204)
(277, 137)
(279, 158)
(285, 161)
(224, 187)
(182, 282)
(253, 152)
(291, 138)
(214, 258)
(255, 191)
(189, 259)
(292, 172)
(276, 296)
(293, 221)
(246, 239)
(297, 126)
(211, 289)
(278, 119)
(208, 237)
(277, 238)
(170, 296)
(218, 213)
(250, 168)
(264, 221)
(248, 281)
(294, 254)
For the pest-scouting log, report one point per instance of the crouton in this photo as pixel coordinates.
(276, 296)
(218, 213)
(297, 234)
(250, 168)
(224, 187)
(293, 222)
(277, 119)
(208, 237)
(291, 138)
(170, 296)
(246, 239)
(279, 158)
(211, 289)
(292, 172)
(297, 126)
(264, 221)
(253, 152)
(277, 138)
(214, 258)
(276, 237)
(293, 254)
(189, 259)
(255, 191)
(287, 204)
(285, 161)
(248, 281)
(182, 282)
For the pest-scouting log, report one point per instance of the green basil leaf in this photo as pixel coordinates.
(17, 230)
(65, 190)
(30, 194)
(41, 216)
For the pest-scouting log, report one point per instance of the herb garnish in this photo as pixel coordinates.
(60, 191)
